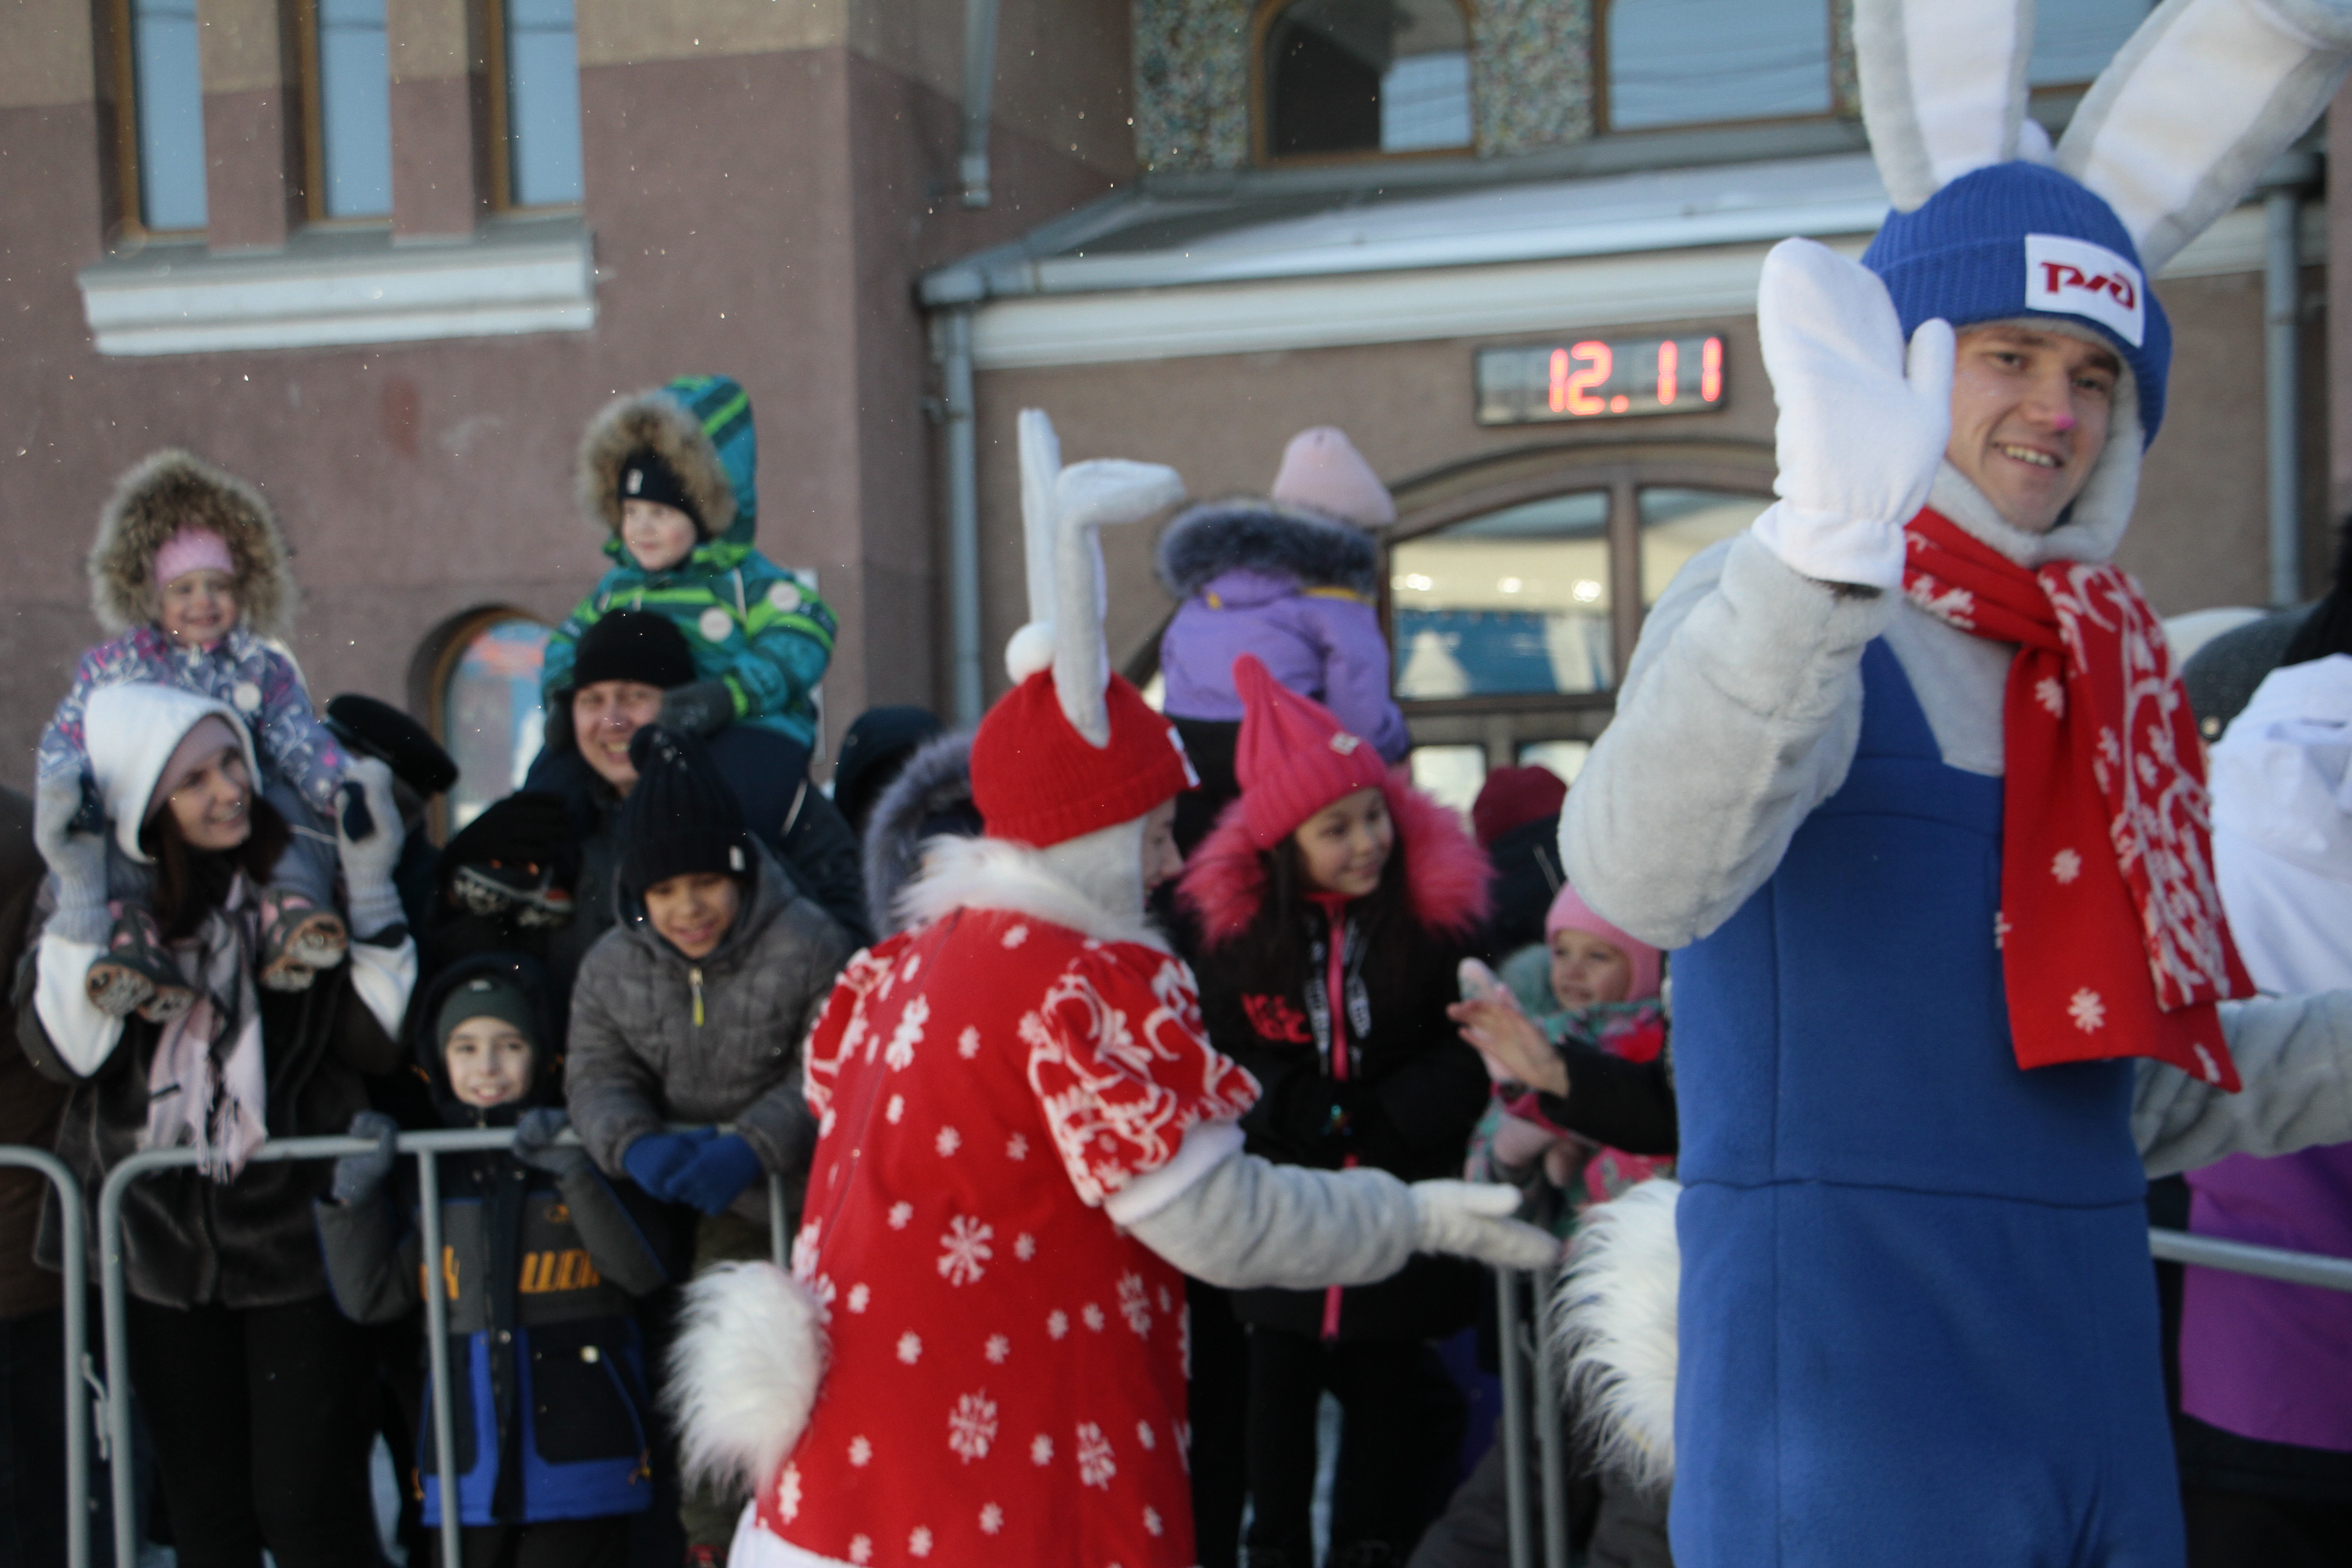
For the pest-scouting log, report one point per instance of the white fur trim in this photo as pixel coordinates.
(997, 874)
(1030, 650)
(753, 1547)
(1614, 1320)
(1207, 1145)
(743, 1373)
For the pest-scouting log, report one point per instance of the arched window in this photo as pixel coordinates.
(484, 706)
(1362, 76)
(1515, 601)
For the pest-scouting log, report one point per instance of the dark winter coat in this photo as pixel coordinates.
(539, 1269)
(29, 1103)
(1413, 1091)
(656, 1038)
(189, 1240)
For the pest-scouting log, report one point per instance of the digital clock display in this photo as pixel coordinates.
(1599, 378)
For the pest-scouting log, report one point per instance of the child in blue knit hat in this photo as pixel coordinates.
(668, 474)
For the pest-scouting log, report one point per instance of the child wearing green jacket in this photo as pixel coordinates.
(669, 474)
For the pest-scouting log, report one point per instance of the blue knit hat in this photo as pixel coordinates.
(724, 409)
(2022, 240)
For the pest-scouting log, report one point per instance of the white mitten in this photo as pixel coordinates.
(368, 835)
(1473, 1219)
(1863, 424)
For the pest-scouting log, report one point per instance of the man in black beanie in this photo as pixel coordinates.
(692, 1009)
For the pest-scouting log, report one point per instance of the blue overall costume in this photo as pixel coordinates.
(1918, 1323)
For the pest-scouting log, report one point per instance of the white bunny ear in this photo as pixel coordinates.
(1041, 465)
(1943, 88)
(2188, 113)
(1086, 497)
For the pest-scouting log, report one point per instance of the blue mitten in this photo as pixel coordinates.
(722, 1168)
(658, 1160)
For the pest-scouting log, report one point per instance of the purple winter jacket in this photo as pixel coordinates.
(1295, 589)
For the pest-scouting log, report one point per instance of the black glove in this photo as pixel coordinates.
(697, 708)
(535, 1135)
(360, 1178)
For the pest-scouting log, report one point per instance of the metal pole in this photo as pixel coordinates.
(1550, 1430)
(979, 90)
(963, 511)
(75, 1263)
(2245, 1257)
(2281, 374)
(1515, 1422)
(437, 1350)
(780, 1244)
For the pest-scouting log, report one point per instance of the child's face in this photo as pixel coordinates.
(489, 1062)
(658, 537)
(198, 607)
(692, 912)
(1585, 970)
(1346, 845)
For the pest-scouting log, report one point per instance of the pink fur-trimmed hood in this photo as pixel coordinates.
(1446, 874)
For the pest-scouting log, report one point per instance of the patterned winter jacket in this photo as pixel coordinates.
(251, 673)
(749, 622)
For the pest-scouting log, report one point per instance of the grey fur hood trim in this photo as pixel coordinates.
(160, 492)
(1265, 536)
(653, 419)
(936, 778)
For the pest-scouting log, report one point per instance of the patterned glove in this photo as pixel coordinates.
(1863, 422)
(722, 1168)
(658, 1160)
(368, 836)
(535, 1135)
(360, 1178)
(78, 856)
(1473, 1219)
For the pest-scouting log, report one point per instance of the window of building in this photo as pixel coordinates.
(1515, 601)
(1364, 76)
(160, 98)
(2074, 39)
(538, 75)
(1680, 62)
(348, 103)
(485, 707)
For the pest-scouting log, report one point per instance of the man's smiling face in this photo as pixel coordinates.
(2029, 417)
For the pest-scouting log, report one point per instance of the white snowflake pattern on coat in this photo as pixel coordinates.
(972, 1426)
(965, 1250)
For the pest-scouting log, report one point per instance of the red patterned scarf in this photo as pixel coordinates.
(2112, 937)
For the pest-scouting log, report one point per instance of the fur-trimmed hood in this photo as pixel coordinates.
(998, 874)
(1263, 535)
(933, 790)
(1446, 874)
(161, 491)
(661, 420)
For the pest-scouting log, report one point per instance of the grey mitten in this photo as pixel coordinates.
(360, 1178)
(535, 1145)
(368, 837)
(77, 856)
(697, 708)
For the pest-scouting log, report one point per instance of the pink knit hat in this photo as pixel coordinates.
(1293, 758)
(192, 549)
(1322, 472)
(1570, 912)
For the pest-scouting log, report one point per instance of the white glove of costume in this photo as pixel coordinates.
(78, 859)
(1863, 425)
(368, 836)
(1473, 1219)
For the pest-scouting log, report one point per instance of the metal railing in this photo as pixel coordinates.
(75, 1270)
(1529, 1358)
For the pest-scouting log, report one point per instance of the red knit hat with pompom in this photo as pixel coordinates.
(1037, 779)
(1294, 757)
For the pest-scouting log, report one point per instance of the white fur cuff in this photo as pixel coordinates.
(744, 1372)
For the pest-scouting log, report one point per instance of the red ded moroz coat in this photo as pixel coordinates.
(1008, 1368)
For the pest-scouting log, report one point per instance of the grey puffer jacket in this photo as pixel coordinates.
(637, 1057)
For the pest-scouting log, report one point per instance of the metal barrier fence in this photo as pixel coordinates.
(1529, 1371)
(1528, 1357)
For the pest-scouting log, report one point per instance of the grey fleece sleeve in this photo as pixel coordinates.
(778, 1124)
(1738, 715)
(1247, 1222)
(2295, 1057)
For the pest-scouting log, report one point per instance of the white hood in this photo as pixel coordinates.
(130, 732)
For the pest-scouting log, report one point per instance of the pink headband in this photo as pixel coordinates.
(1570, 912)
(192, 549)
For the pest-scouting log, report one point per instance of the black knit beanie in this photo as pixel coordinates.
(644, 476)
(680, 818)
(634, 645)
(487, 996)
